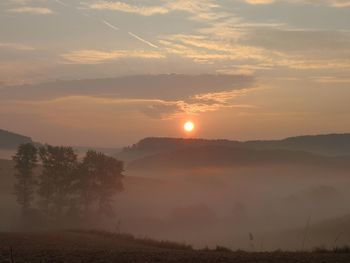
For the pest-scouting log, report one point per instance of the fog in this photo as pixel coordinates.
(253, 208)
(211, 206)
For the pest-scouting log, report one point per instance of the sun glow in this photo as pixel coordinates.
(189, 126)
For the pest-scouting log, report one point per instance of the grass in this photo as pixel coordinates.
(338, 250)
(165, 244)
(103, 246)
(216, 249)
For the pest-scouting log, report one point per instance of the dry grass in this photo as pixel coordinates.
(165, 244)
(97, 246)
(339, 250)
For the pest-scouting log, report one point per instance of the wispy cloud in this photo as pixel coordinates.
(187, 94)
(16, 46)
(332, 3)
(224, 97)
(31, 10)
(331, 79)
(153, 108)
(273, 50)
(96, 56)
(259, 2)
(205, 50)
(200, 9)
(124, 7)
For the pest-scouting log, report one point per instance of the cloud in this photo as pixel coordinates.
(124, 7)
(331, 79)
(265, 49)
(164, 86)
(31, 10)
(258, 2)
(97, 57)
(203, 49)
(340, 3)
(332, 3)
(200, 9)
(16, 46)
(308, 41)
(223, 97)
(19, 72)
(160, 96)
(153, 108)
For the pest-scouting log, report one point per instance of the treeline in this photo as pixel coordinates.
(53, 181)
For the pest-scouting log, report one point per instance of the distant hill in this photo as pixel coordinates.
(333, 149)
(151, 146)
(10, 140)
(330, 144)
(6, 177)
(233, 156)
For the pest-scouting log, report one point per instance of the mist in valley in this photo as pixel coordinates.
(213, 206)
(252, 205)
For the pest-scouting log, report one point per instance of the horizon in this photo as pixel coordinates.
(180, 138)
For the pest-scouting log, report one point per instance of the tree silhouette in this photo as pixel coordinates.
(100, 178)
(25, 161)
(57, 179)
(66, 186)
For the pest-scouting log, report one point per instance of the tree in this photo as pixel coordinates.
(25, 162)
(57, 179)
(100, 179)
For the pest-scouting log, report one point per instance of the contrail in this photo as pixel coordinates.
(61, 3)
(142, 40)
(110, 25)
(106, 23)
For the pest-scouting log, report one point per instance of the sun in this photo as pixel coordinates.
(189, 126)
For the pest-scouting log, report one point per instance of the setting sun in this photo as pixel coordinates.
(189, 126)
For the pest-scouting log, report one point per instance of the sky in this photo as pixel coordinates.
(109, 73)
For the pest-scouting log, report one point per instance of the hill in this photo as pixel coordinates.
(10, 140)
(331, 149)
(6, 176)
(234, 156)
(153, 145)
(330, 144)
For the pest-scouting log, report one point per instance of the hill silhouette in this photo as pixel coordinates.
(320, 150)
(153, 145)
(10, 140)
(329, 144)
(231, 156)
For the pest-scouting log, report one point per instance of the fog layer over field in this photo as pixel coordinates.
(212, 206)
(293, 203)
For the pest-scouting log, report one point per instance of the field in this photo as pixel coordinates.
(99, 247)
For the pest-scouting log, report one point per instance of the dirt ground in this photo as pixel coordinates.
(87, 247)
